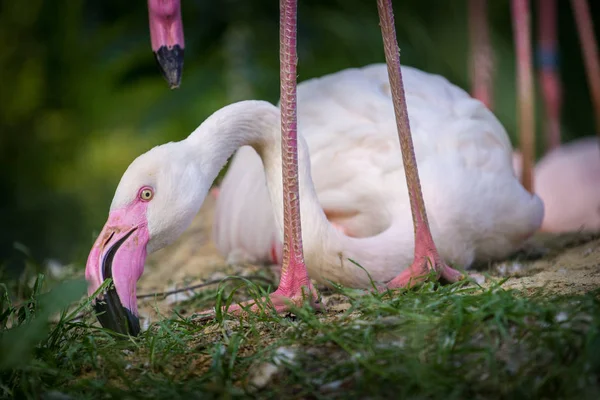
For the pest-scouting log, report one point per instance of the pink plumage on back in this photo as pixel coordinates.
(568, 181)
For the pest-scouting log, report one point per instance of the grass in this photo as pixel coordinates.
(432, 342)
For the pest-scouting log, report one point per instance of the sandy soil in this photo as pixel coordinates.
(568, 263)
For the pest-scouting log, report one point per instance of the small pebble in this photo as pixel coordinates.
(561, 317)
(264, 372)
(332, 386)
(479, 278)
(217, 276)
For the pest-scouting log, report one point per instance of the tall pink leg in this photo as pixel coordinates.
(522, 36)
(294, 285)
(589, 47)
(426, 258)
(548, 71)
(482, 57)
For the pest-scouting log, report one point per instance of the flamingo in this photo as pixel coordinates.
(162, 190)
(567, 177)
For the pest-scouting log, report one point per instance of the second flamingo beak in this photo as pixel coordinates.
(166, 33)
(119, 253)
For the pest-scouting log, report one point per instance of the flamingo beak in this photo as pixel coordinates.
(119, 253)
(166, 34)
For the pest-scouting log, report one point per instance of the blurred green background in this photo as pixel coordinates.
(81, 95)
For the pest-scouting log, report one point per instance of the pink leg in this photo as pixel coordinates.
(548, 73)
(427, 258)
(589, 48)
(482, 58)
(522, 36)
(295, 286)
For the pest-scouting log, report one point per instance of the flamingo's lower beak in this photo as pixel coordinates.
(119, 253)
(166, 33)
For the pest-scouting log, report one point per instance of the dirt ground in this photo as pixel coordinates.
(567, 263)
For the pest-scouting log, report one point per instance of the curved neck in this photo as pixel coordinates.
(256, 124)
(326, 250)
(246, 123)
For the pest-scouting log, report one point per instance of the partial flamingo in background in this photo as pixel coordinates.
(567, 178)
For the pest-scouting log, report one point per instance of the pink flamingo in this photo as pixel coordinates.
(567, 178)
(463, 150)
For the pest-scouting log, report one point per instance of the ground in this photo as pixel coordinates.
(530, 330)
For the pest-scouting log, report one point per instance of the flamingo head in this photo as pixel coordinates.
(166, 34)
(156, 200)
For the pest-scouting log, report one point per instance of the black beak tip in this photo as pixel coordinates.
(170, 61)
(112, 315)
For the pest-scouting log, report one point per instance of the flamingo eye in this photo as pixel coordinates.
(146, 194)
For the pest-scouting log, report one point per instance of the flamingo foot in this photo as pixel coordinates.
(427, 262)
(292, 292)
(421, 269)
(282, 301)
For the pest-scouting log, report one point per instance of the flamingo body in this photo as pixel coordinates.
(477, 208)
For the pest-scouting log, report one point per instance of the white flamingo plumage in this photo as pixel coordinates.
(477, 208)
